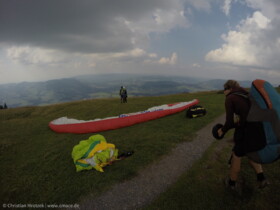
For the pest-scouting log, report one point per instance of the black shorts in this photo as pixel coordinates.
(249, 138)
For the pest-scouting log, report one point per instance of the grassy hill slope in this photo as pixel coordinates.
(37, 166)
(37, 162)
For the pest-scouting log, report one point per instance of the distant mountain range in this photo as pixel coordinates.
(101, 86)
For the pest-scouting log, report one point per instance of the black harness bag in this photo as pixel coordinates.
(196, 111)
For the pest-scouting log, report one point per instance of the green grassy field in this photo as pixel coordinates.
(203, 186)
(36, 162)
(37, 167)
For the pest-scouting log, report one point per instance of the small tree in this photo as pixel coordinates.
(5, 106)
(1, 107)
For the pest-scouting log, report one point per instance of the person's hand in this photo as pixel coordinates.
(220, 132)
(217, 131)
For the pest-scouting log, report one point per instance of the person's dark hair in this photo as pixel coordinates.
(231, 84)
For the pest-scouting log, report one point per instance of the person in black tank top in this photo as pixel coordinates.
(237, 107)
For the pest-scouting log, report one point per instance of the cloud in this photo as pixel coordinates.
(172, 60)
(137, 52)
(50, 39)
(255, 42)
(54, 39)
(204, 5)
(270, 8)
(253, 47)
(226, 7)
(33, 55)
(89, 26)
(196, 65)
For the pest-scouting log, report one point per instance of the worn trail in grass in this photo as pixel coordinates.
(155, 178)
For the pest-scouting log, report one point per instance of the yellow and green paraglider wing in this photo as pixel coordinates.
(94, 152)
(84, 149)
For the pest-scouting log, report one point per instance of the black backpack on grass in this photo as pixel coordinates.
(195, 111)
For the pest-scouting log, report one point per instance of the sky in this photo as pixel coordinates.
(216, 39)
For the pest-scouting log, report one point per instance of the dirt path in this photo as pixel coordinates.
(156, 178)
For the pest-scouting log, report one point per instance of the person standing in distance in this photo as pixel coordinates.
(123, 94)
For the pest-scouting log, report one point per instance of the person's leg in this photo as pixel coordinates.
(235, 167)
(231, 181)
(260, 175)
(256, 166)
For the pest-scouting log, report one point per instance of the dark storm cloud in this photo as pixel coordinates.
(87, 26)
